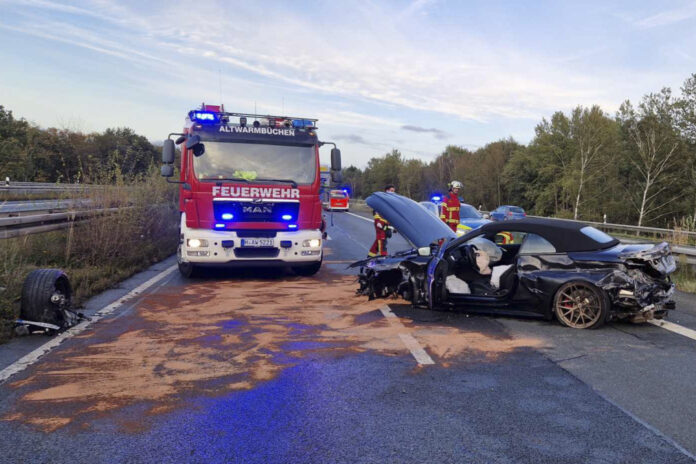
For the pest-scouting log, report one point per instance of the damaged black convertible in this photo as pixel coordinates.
(536, 267)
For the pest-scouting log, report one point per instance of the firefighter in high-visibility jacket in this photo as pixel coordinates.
(450, 207)
(383, 231)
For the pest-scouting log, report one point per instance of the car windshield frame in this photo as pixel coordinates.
(259, 162)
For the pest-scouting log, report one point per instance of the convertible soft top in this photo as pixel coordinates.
(565, 236)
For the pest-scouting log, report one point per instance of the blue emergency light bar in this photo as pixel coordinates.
(286, 217)
(219, 226)
(436, 198)
(302, 123)
(227, 216)
(211, 114)
(292, 226)
(204, 117)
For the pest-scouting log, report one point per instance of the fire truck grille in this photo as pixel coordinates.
(253, 233)
(256, 252)
(246, 211)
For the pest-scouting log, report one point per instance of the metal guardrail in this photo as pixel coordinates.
(11, 227)
(39, 187)
(24, 207)
(629, 228)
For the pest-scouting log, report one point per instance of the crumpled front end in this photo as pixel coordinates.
(642, 289)
(396, 276)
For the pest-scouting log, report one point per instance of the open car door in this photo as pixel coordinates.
(436, 275)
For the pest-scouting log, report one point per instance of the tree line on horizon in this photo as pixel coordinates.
(637, 166)
(30, 153)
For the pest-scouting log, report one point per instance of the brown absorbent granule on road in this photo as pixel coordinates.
(220, 336)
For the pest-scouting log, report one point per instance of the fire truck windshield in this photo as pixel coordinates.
(255, 162)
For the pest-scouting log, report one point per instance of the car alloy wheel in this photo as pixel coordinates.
(580, 305)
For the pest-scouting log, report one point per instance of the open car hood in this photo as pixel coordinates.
(410, 219)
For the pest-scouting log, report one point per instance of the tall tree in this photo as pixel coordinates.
(686, 114)
(653, 151)
(592, 133)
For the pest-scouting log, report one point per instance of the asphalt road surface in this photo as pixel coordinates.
(266, 367)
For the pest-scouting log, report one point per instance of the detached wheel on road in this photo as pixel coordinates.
(580, 305)
(44, 295)
(307, 271)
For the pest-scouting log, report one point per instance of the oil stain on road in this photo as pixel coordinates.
(218, 336)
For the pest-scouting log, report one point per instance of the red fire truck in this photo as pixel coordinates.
(338, 200)
(249, 190)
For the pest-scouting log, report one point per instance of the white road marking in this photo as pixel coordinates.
(361, 217)
(411, 343)
(676, 328)
(34, 356)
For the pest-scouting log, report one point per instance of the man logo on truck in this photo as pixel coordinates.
(257, 209)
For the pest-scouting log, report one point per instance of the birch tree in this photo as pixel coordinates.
(686, 113)
(653, 150)
(592, 133)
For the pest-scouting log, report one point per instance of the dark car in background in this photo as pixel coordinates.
(553, 268)
(507, 212)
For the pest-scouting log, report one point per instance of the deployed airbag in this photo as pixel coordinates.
(456, 285)
(498, 271)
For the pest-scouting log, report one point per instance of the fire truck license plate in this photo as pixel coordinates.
(257, 242)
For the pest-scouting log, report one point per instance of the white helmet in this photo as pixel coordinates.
(455, 184)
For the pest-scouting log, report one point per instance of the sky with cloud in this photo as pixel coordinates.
(413, 75)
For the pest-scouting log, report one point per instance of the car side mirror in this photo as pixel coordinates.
(424, 251)
(486, 216)
(167, 170)
(168, 151)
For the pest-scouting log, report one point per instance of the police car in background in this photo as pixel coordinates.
(469, 217)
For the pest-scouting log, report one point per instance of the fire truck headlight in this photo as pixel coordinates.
(196, 243)
(312, 243)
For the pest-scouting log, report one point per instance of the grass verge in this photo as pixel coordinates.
(97, 254)
(684, 277)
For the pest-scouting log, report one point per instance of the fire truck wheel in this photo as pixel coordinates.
(188, 269)
(306, 271)
(44, 293)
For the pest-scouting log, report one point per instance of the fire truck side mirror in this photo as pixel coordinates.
(168, 152)
(336, 177)
(192, 141)
(335, 159)
(167, 170)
